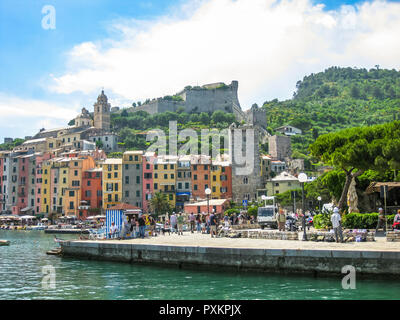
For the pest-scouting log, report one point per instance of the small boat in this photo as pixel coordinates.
(39, 226)
(54, 252)
(4, 243)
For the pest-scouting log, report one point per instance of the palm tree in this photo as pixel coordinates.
(159, 204)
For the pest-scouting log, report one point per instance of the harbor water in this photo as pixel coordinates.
(22, 264)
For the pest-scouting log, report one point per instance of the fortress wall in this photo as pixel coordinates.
(209, 100)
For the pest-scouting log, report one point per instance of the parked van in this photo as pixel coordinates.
(266, 216)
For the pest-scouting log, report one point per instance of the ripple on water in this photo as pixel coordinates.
(21, 275)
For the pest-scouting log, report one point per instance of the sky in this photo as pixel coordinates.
(137, 49)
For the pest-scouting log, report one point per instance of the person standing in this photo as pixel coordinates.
(180, 220)
(213, 225)
(281, 220)
(174, 223)
(381, 221)
(336, 224)
(192, 220)
(198, 223)
(142, 226)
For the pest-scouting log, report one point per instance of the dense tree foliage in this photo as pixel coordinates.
(336, 99)
(357, 150)
(12, 145)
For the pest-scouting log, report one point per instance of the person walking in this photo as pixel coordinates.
(336, 224)
(381, 221)
(192, 220)
(180, 220)
(281, 219)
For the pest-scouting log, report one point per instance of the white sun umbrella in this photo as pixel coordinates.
(27, 217)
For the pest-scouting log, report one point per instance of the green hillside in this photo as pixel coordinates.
(335, 99)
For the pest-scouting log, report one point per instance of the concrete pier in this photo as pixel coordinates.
(199, 251)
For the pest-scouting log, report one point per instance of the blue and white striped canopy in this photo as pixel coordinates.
(115, 216)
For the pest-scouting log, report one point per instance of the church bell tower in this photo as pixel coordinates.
(102, 112)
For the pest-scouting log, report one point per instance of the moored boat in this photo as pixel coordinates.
(4, 243)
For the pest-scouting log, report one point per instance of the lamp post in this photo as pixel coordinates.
(319, 199)
(302, 179)
(208, 192)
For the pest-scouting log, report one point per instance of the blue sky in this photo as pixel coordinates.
(57, 72)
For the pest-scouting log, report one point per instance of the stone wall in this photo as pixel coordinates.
(198, 100)
(245, 159)
(265, 234)
(366, 263)
(347, 236)
(279, 147)
(393, 236)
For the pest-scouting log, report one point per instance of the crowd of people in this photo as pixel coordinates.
(205, 223)
(210, 223)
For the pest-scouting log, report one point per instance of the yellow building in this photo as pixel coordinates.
(45, 201)
(216, 171)
(112, 182)
(164, 177)
(282, 183)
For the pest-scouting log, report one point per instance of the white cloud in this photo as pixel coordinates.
(267, 45)
(20, 116)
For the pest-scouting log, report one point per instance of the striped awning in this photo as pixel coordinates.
(115, 216)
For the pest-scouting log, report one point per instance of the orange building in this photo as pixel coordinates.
(201, 180)
(73, 193)
(91, 202)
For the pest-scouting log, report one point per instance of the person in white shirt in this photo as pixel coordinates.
(335, 219)
(113, 230)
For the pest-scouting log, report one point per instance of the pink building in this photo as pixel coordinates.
(218, 205)
(2, 194)
(23, 184)
(148, 188)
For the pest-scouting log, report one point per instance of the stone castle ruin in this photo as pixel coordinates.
(207, 98)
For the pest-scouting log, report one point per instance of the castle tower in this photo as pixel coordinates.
(102, 112)
(244, 156)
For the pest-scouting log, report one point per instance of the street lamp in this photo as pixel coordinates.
(319, 199)
(208, 192)
(302, 179)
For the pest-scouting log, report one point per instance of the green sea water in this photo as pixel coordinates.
(21, 276)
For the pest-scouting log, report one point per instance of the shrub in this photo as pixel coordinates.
(363, 220)
(351, 221)
(252, 211)
(232, 211)
(322, 221)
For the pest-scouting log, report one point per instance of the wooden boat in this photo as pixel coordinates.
(54, 252)
(4, 243)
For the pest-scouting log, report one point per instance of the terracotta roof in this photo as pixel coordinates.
(124, 206)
